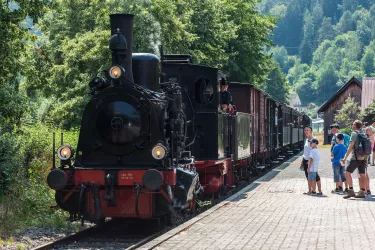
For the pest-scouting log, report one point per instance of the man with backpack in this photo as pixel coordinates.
(360, 144)
(335, 131)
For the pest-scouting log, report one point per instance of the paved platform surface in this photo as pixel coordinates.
(273, 213)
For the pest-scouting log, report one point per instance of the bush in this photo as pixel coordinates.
(25, 161)
(347, 131)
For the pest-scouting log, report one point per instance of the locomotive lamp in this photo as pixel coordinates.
(65, 152)
(116, 72)
(159, 151)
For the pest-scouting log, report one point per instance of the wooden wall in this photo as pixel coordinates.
(353, 90)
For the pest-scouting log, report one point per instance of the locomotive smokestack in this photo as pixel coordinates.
(121, 55)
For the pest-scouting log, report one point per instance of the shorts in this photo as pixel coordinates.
(338, 173)
(311, 176)
(305, 167)
(354, 164)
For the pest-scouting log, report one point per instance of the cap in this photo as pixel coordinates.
(335, 125)
(314, 140)
(340, 137)
(223, 82)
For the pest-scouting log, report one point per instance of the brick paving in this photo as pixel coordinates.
(273, 213)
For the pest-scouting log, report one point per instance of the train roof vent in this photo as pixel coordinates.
(177, 59)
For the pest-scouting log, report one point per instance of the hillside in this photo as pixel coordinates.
(322, 44)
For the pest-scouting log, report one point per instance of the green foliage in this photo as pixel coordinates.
(349, 112)
(26, 159)
(15, 39)
(334, 43)
(276, 85)
(370, 110)
(308, 41)
(347, 130)
(74, 48)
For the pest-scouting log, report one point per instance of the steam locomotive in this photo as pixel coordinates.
(153, 138)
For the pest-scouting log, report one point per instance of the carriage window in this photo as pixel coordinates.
(203, 91)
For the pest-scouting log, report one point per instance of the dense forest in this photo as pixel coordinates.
(321, 44)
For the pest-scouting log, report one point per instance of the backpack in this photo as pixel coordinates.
(362, 146)
(346, 141)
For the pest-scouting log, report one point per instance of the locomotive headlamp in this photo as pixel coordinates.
(159, 151)
(65, 152)
(115, 72)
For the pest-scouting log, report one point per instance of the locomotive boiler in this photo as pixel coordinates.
(131, 159)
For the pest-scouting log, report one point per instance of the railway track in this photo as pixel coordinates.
(133, 234)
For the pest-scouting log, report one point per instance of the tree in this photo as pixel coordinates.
(276, 84)
(305, 90)
(326, 82)
(16, 38)
(326, 31)
(346, 22)
(218, 33)
(297, 71)
(369, 112)
(281, 56)
(367, 61)
(308, 42)
(349, 112)
(330, 8)
(248, 61)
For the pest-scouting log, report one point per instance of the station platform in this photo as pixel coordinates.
(273, 213)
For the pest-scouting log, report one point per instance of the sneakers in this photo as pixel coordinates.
(319, 194)
(350, 193)
(335, 191)
(361, 194)
(346, 190)
(368, 192)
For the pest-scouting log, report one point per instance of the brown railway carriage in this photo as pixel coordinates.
(250, 99)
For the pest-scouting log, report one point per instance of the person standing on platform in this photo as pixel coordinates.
(306, 158)
(312, 168)
(335, 131)
(338, 153)
(370, 133)
(356, 161)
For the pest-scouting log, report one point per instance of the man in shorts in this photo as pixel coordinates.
(355, 162)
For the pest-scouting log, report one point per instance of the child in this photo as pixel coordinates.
(338, 153)
(313, 166)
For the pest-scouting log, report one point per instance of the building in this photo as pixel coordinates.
(329, 109)
(318, 125)
(368, 91)
(295, 102)
(368, 96)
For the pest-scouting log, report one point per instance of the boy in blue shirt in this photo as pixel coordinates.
(338, 153)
